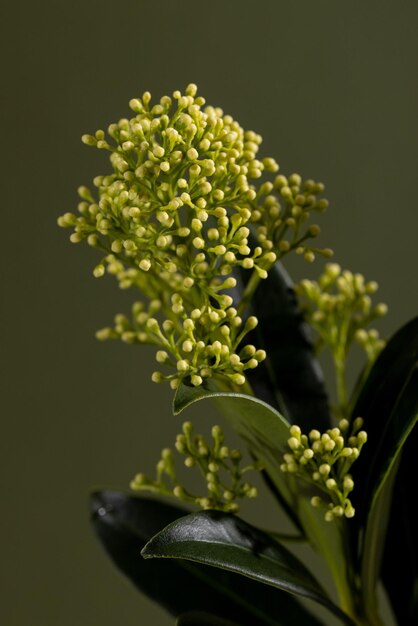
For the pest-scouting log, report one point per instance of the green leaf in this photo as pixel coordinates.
(266, 433)
(291, 378)
(124, 523)
(401, 548)
(262, 427)
(388, 404)
(224, 541)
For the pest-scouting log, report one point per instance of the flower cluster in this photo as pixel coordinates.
(174, 219)
(181, 348)
(281, 216)
(325, 460)
(219, 466)
(339, 308)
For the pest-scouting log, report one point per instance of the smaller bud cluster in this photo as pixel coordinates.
(219, 466)
(281, 215)
(196, 347)
(339, 308)
(325, 460)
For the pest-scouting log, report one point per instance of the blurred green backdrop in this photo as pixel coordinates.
(332, 87)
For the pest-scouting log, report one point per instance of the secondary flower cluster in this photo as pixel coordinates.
(174, 218)
(339, 308)
(325, 460)
(181, 347)
(219, 466)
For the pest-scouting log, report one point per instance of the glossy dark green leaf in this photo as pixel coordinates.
(124, 523)
(388, 403)
(291, 378)
(224, 541)
(400, 557)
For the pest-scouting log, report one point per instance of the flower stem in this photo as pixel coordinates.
(249, 292)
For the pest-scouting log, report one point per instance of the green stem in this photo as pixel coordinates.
(249, 292)
(339, 360)
(350, 599)
(358, 386)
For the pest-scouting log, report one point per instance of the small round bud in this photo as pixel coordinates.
(157, 377)
(140, 479)
(103, 334)
(89, 140)
(136, 105)
(293, 443)
(314, 435)
(145, 265)
(314, 230)
(238, 379)
(338, 511)
(192, 154)
(349, 511)
(316, 502)
(178, 491)
(251, 323)
(324, 469)
(358, 423)
(158, 151)
(362, 437)
(99, 271)
(182, 365)
(198, 243)
(348, 483)
(161, 356)
(381, 309)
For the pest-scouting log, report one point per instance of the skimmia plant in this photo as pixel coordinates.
(198, 225)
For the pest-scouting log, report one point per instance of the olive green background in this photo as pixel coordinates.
(331, 86)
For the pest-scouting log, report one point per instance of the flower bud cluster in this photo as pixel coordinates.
(173, 219)
(180, 189)
(339, 308)
(325, 460)
(281, 216)
(196, 347)
(219, 466)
